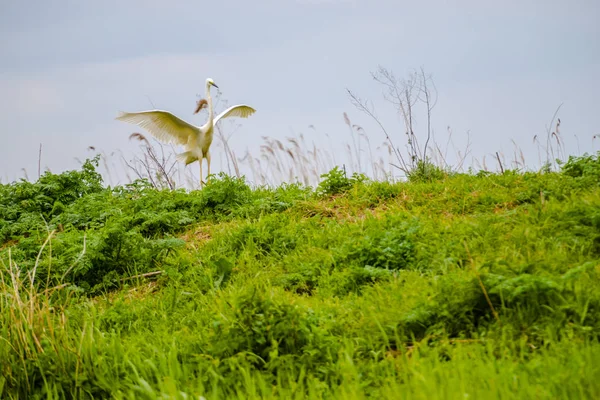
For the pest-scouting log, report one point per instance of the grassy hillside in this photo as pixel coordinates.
(446, 286)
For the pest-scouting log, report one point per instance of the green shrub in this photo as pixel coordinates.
(586, 166)
(388, 246)
(336, 182)
(426, 171)
(260, 323)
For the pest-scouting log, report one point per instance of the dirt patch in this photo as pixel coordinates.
(200, 234)
(8, 244)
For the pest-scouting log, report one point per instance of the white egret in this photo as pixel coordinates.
(168, 128)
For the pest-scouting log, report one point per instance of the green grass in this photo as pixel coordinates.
(447, 286)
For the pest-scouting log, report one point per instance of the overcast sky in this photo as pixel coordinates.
(501, 69)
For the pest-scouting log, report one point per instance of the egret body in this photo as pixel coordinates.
(169, 128)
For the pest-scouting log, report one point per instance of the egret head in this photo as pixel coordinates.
(210, 82)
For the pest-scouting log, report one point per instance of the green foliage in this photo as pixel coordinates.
(387, 246)
(336, 182)
(25, 206)
(585, 169)
(273, 330)
(225, 194)
(426, 171)
(446, 286)
(104, 235)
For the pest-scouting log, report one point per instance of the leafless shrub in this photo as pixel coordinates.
(404, 95)
(153, 165)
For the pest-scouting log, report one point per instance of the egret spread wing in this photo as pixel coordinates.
(163, 125)
(241, 110)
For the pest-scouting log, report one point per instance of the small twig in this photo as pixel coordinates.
(40, 162)
(485, 293)
(363, 107)
(151, 103)
(146, 275)
(61, 286)
(500, 162)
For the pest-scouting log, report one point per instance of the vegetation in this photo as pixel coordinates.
(449, 285)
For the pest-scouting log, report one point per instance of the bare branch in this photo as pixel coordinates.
(364, 108)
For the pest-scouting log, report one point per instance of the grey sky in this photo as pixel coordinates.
(501, 69)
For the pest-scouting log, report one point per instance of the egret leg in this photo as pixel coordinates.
(200, 162)
(208, 166)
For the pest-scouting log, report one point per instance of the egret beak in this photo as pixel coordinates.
(214, 85)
